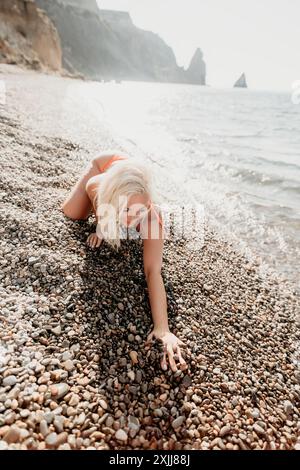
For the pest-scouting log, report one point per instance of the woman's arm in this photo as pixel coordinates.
(152, 256)
(91, 187)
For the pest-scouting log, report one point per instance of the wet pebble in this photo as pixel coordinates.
(178, 422)
(121, 435)
(9, 381)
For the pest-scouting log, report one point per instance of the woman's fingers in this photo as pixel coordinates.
(171, 358)
(93, 240)
(180, 343)
(171, 350)
(90, 239)
(149, 339)
(164, 364)
(183, 364)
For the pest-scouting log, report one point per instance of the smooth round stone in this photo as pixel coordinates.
(158, 413)
(103, 404)
(66, 356)
(134, 357)
(109, 421)
(69, 365)
(3, 445)
(59, 423)
(255, 413)
(207, 287)
(65, 446)
(133, 423)
(225, 430)
(131, 375)
(178, 422)
(288, 407)
(52, 440)
(9, 381)
(138, 376)
(123, 361)
(121, 435)
(10, 418)
(56, 330)
(60, 390)
(12, 435)
(44, 430)
(259, 430)
(49, 417)
(74, 400)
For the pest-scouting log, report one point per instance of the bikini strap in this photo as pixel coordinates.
(110, 161)
(156, 213)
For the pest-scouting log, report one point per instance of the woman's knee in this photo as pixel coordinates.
(66, 211)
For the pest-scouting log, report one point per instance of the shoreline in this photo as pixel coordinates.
(67, 331)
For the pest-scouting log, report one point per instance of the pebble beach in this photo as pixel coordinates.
(74, 371)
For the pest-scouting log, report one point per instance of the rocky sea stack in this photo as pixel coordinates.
(241, 82)
(197, 69)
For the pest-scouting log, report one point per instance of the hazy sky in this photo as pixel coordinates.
(258, 37)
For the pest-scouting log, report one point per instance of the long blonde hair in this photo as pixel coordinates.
(123, 178)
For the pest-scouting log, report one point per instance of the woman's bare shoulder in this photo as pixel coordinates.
(92, 184)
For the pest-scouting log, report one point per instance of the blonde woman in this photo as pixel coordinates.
(118, 190)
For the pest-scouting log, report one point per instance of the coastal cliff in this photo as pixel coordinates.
(27, 36)
(77, 37)
(105, 45)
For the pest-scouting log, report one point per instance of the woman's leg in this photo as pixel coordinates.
(78, 205)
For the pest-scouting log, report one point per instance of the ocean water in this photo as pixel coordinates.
(236, 152)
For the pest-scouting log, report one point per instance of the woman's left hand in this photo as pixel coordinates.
(171, 346)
